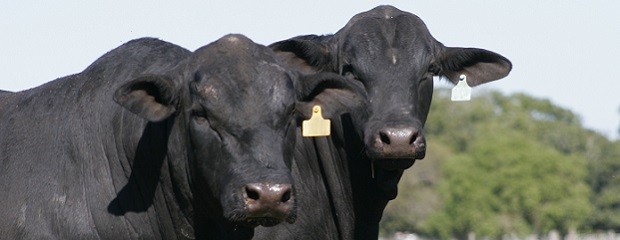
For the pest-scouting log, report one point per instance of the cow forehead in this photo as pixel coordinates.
(402, 32)
(245, 80)
(382, 12)
(391, 42)
(263, 92)
(234, 50)
(241, 82)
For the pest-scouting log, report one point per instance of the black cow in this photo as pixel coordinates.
(203, 152)
(393, 55)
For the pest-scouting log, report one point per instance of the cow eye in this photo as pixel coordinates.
(434, 69)
(199, 117)
(200, 120)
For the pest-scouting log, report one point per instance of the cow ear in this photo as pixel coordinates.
(309, 54)
(334, 93)
(479, 65)
(150, 97)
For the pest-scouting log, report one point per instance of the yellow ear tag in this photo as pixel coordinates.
(316, 126)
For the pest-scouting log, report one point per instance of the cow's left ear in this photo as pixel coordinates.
(332, 92)
(479, 65)
(151, 97)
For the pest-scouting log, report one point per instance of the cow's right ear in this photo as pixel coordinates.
(151, 97)
(309, 54)
(334, 93)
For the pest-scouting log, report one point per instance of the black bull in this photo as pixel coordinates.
(393, 55)
(203, 152)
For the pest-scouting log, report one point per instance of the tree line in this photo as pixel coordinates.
(507, 164)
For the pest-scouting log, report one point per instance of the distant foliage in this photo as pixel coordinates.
(509, 184)
(507, 165)
(604, 180)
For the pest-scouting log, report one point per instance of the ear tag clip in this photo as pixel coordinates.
(316, 126)
(462, 91)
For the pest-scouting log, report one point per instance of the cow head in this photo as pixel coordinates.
(394, 56)
(238, 106)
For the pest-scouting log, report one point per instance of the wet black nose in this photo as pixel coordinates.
(399, 137)
(269, 200)
(399, 142)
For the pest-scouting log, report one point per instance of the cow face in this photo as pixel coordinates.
(394, 56)
(239, 108)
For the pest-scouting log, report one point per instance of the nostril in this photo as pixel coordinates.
(286, 196)
(414, 136)
(384, 137)
(252, 193)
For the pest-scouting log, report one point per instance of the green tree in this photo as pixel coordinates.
(604, 180)
(509, 184)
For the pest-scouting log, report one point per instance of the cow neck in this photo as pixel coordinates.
(334, 165)
(158, 176)
(368, 201)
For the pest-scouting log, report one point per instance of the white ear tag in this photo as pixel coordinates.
(316, 126)
(462, 91)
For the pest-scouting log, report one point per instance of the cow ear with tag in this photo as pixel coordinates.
(324, 96)
(150, 97)
(333, 93)
(479, 65)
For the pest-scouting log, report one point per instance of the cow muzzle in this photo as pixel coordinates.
(396, 147)
(269, 204)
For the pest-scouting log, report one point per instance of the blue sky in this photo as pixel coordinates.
(565, 51)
